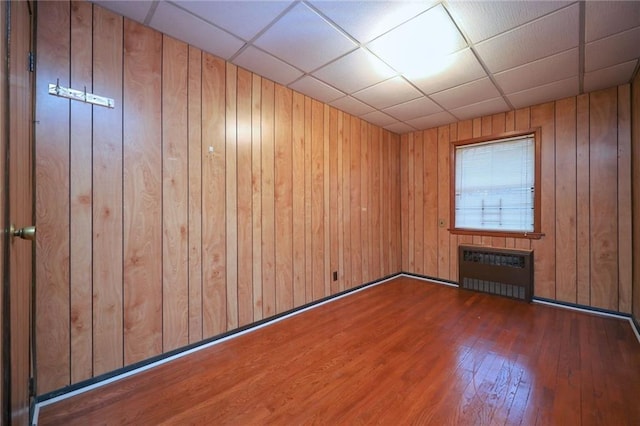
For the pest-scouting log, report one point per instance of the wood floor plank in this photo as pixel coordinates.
(403, 352)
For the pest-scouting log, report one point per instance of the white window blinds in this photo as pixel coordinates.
(494, 185)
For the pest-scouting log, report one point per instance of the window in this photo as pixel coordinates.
(495, 185)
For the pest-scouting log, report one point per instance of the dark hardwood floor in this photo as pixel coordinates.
(403, 352)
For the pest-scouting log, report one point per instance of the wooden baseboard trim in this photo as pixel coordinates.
(636, 327)
(430, 279)
(581, 308)
(591, 310)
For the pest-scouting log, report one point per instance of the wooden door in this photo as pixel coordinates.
(16, 159)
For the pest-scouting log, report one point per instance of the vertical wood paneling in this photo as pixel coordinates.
(326, 128)
(375, 172)
(211, 198)
(317, 199)
(544, 271)
(604, 199)
(346, 201)
(411, 204)
(583, 225)
(298, 199)
(195, 194)
(231, 168)
(477, 127)
(308, 224)
(443, 202)
(52, 210)
(80, 260)
(273, 208)
(365, 246)
(418, 206)
(355, 217)
(453, 239)
(566, 190)
(339, 197)
(268, 201)
(332, 163)
(625, 230)
(430, 210)
(568, 265)
(256, 193)
(245, 231)
(175, 192)
(214, 292)
(142, 192)
(385, 195)
(404, 202)
(107, 194)
(395, 203)
(283, 199)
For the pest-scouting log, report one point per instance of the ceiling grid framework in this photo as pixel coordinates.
(351, 54)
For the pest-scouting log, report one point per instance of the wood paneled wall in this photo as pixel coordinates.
(585, 255)
(207, 199)
(635, 155)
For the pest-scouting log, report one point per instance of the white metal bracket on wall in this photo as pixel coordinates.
(80, 95)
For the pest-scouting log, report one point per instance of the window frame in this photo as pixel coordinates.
(536, 233)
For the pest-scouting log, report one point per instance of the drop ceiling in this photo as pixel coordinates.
(503, 55)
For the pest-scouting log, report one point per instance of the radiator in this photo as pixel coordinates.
(504, 272)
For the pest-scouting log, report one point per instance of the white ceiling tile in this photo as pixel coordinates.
(378, 118)
(463, 68)
(605, 18)
(366, 20)
(316, 89)
(412, 109)
(319, 48)
(390, 92)
(540, 72)
(267, 66)
(483, 19)
(613, 50)
(245, 19)
(399, 128)
(417, 42)
(609, 77)
(487, 107)
(184, 26)
(355, 71)
(433, 120)
(296, 38)
(552, 34)
(549, 92)
(136, 10)
(466, 94)
(352, 106)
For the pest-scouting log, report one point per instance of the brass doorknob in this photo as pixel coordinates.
(26, 233)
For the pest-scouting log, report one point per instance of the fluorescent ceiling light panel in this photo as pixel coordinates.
(420, 47)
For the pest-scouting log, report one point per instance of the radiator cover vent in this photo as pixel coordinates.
(504, 272)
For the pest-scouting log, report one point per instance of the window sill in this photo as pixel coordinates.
(504, 234)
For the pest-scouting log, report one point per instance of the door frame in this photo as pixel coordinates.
(17, 180)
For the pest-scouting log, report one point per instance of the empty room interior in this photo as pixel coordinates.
(320, 212)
